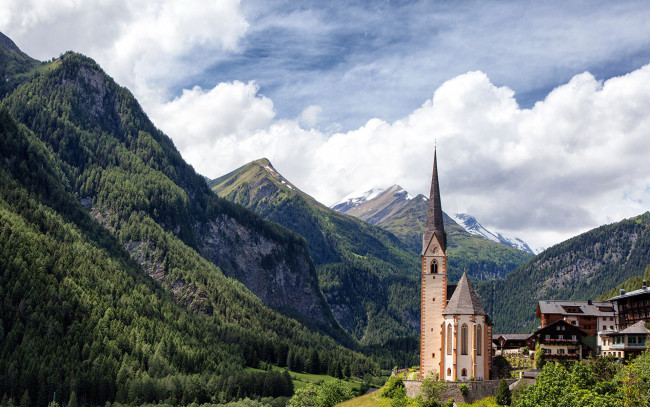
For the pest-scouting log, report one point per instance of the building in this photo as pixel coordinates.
(632, 307)
(561, 340)
(455, 331)
(590, 316)
(509, 343)
(625, 344)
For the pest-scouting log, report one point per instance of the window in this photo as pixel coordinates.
(560, 351)
(479, 340)
(434, 267)
(463, 340)
(449, 339)
(547, 350)
(464, 372)
(560, 337)
(448, 371)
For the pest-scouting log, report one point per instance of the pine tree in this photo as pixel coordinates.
(504, 396)
(73, 399)
(25, 401)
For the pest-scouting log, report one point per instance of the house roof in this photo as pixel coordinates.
(513, 337)
(434, 224)
(636, 328)
(464, 301)
(552, 327)
(634, 293)
(596, 308)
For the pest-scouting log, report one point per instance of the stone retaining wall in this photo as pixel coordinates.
(477, 390)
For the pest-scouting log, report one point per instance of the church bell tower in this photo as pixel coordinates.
(434, 285)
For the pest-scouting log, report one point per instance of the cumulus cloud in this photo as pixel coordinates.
(575, 160)
(146, 45)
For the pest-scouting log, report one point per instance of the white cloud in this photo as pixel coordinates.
(574, 161)
(146, 45)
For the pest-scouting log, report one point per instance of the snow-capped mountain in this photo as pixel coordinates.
(355, 199)
(470, 224)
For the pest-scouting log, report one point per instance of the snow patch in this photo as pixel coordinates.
(471, 225)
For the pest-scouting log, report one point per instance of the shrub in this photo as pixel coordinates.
(393, 385)
(504, 396)
(464, 389)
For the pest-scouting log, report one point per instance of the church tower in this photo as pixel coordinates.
(434, 285)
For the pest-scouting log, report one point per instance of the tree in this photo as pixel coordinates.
(635, 379)
(25, 401)
(504, 396)
(539, 357)
(73, 399)
(392, 386)
(430, 390)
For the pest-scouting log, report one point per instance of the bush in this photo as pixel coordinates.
(464, 389)
(504, 396)
(392, 386)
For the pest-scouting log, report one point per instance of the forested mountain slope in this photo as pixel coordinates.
(405, 217)
(369, 277)
(104, 287)
(580, 268)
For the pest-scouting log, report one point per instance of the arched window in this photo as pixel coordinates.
(450, 339)
(463, 340)
(479, 341)
(463, 372)
(434, 267)
(448, 371)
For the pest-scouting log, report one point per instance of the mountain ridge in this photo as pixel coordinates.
(404, 215)
(350, 255)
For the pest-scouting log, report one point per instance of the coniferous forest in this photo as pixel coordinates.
(112, 299)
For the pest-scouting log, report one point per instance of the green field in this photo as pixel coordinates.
(301, 380)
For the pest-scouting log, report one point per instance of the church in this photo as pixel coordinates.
(455, 331)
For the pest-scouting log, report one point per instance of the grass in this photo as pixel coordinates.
(367, 400)
(486, 402)
(301, 380)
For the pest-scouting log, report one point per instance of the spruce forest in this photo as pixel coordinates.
(112, 300)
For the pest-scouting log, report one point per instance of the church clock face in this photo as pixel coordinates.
(433, 250)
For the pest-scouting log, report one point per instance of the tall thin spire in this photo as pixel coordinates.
(434, 223)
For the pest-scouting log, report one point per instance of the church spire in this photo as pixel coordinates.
(434, 223)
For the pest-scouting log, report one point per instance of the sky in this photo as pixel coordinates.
(539, 109)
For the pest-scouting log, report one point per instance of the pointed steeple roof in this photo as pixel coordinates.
(434, 223)
(465, 301)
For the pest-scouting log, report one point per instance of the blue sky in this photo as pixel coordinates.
(539, 107)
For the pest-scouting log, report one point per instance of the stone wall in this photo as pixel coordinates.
(477, 390)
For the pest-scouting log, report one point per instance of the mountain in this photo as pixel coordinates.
(581, 268)
(397, 211)
(370, 278)
(111, 249)
(470, 224)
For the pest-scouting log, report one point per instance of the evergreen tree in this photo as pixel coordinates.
(504, 395)
(25, 401)
(73, 399)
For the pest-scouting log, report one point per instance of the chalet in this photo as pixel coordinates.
(561, 340)
(506, 343)
(589, 316)
(625, 344)
(632, 307)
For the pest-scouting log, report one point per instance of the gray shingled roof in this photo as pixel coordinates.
(556, 307)
(465, 301)
(637, 328)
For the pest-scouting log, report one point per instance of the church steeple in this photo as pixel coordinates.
(434, 223)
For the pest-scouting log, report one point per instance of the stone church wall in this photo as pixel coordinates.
(477, 390)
